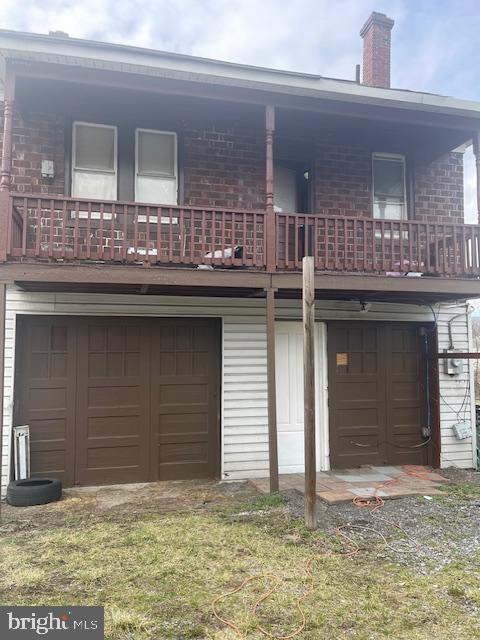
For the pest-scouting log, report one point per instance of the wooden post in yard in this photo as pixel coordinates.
(308, 298)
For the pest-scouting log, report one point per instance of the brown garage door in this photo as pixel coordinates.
(376, 394)
(119, 399)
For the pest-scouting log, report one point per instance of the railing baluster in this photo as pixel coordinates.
(315, 244)
(374, 245)
(297, 261)
(38, 230)
(89, 229)
(76, 228)
(410, 228)
(427, 246)
(25, 226)
(124, 249)
(254, 248)
(112, 231)
(335, 243)
(382, 240)
(455, 252)
(52, 222)
(202, 240)
(222, 236)
(100, 240)
(181, 237)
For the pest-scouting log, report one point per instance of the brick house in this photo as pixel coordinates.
(154, 212)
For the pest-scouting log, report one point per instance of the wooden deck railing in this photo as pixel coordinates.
(72, 229)
(378, 246)
(78, 229)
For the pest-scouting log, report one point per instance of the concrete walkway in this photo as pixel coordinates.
(346, 484)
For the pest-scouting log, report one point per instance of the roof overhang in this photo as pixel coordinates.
(86, 54)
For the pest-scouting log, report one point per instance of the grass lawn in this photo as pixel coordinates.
(156, 574)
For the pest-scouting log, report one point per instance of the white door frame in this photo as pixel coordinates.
(321, 392)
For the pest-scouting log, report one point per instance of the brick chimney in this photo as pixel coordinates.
(376, 50)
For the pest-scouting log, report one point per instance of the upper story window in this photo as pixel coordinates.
(94, 161)
(389, 188)
(156, 166)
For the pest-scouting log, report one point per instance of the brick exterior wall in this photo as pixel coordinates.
(342, 181)
(36, 137)
(343, 185)
(439, 190)
(224, 168)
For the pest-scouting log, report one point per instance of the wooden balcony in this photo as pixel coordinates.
(61, 229)
(79, 230)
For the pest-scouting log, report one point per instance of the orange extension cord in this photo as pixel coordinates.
(375, 503)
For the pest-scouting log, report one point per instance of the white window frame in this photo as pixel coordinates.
(102, 171)
(390, 156)
(158, 175)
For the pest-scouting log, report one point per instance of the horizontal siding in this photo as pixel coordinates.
(244, 376)
(245, 415)
(455, 392)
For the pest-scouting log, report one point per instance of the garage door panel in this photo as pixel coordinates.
(376, 394)
(99, 426)
(184, 399)
(48, 462)
(121, 456)
(45, 393)
(117, 396)
(109, 389)
(120, 399)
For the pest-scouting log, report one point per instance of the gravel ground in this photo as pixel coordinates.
(436, 530)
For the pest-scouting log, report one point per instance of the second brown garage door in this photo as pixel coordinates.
(377, 394)
(119, 399)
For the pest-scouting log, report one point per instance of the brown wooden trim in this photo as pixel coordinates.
(412, 290)
(308, 299)
(6, 162)
(270, 230)
(272, 392)
(435, 448)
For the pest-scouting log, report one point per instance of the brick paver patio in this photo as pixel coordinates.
(345, 484)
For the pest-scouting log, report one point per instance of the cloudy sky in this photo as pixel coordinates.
(435, 42)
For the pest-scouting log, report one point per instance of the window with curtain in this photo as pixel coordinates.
(94, 161)
(156, 167)
(389, 189)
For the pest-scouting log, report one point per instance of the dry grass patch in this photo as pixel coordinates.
(157, 574)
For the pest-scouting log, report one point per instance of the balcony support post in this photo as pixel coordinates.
(271, 391)
(6, 162)
(476, 151)
(270, 230)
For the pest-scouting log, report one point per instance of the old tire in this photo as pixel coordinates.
(31, 491)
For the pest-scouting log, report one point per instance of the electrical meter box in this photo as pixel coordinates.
(452, 366)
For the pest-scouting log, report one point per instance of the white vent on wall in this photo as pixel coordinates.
(21, 444)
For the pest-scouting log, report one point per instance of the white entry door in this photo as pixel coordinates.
(289, 378)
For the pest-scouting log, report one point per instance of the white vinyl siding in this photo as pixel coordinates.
(94, 161)
(156, 167)
(244, 367)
